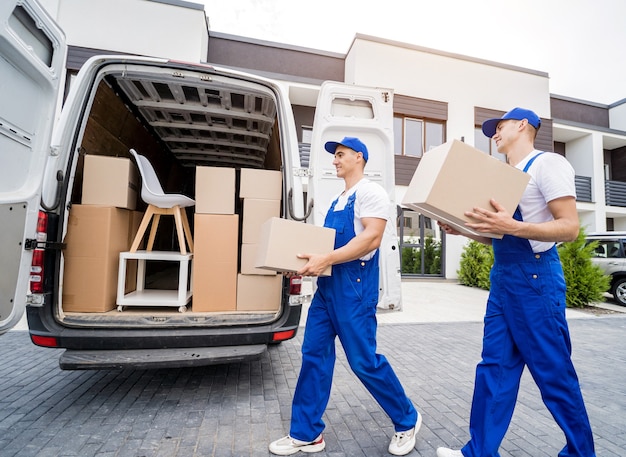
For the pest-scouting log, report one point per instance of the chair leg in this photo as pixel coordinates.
(142, 228)
(179, 229)
(187, 230)
(153, 230)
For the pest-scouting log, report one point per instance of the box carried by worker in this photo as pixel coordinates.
(455, 177)
(281, 240)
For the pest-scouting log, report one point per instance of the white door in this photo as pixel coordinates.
(32, 66)
(367, 113)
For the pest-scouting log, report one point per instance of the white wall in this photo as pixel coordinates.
(462, 83)
(133, 26)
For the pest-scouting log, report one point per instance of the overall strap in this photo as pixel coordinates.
(530, 162)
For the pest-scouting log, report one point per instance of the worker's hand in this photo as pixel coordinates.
(500, 221)
(448, 229)
(316, 264)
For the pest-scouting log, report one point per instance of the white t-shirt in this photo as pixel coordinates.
(551, 177)
(371, 201)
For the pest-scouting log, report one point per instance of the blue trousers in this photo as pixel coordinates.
(344, 307)
(525, 326)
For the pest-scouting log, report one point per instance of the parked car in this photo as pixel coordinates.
(610, 256)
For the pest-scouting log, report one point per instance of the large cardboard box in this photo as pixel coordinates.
(248, 261)
(262, 184)
(255, 213)
(214, 272)
(110, 181)
(455, 177)
(281, 240)
(95, 237)
(215, 190)
(259, 293)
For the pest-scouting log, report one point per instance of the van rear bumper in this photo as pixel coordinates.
(73, 359)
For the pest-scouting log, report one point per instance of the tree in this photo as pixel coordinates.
(475, 265)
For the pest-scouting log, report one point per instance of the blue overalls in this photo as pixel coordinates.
(525, 325)
(344, 305)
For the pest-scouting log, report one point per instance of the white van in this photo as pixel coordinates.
(181, 116)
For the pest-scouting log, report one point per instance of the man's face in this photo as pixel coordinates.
(506, 131)
(346, 160)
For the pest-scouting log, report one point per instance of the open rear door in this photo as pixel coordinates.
(32, 65)
(367, 113)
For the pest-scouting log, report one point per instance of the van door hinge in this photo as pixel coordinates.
(302, 172)
(31, 244)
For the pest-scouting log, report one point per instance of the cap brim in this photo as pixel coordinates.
(331, 146)
(489, 127)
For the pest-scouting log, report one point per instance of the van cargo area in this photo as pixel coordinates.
(211, 137)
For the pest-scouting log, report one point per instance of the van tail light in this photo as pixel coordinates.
(44, 341)
(295, 285)
(36, 266)
(284, 335)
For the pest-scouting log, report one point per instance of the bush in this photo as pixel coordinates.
(475, 265)
(585, 281)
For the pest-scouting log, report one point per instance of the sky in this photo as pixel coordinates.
(581, 44)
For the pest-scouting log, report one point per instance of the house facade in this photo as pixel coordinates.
(438, 96)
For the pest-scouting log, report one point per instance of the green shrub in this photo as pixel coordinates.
(475, 265)
(585, 281)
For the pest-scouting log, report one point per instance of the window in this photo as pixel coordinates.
(413, 136)
(421, 247)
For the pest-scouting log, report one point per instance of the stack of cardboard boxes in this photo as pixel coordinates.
(226, 230)
(99, 228)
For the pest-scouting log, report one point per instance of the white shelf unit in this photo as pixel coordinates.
(154, 297)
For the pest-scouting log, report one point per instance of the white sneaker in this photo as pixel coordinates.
(404, 442)
(445, 452)
(289, 445)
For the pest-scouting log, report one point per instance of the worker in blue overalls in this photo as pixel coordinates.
(525, 318)
(344, 306)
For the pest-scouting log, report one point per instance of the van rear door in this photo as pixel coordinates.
(367, 113)
(32, 66)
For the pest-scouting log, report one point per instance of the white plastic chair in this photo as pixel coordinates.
(160, 203)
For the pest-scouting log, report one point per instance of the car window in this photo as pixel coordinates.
(608, 249)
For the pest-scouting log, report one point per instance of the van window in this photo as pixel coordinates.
(24, 26)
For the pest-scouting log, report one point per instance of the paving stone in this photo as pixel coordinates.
(237, 409)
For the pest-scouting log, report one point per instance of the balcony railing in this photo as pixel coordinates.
(615, 193)
(583, 188)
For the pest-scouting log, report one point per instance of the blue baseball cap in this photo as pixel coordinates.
(490, 125)
(350, 142)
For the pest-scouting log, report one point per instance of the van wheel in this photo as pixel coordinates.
(619, 291)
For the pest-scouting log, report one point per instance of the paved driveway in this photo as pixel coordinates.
(235, 410)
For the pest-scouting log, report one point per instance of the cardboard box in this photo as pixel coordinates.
(255, 213)
(281, 240)
(261, 184)
(215, 262)
(259, 293)
(215, 190)
(95, 237)
(110, 181)
(248, 261)
(456, 177)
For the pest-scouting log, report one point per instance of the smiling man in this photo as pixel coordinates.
(344, 306)
(525, 322)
